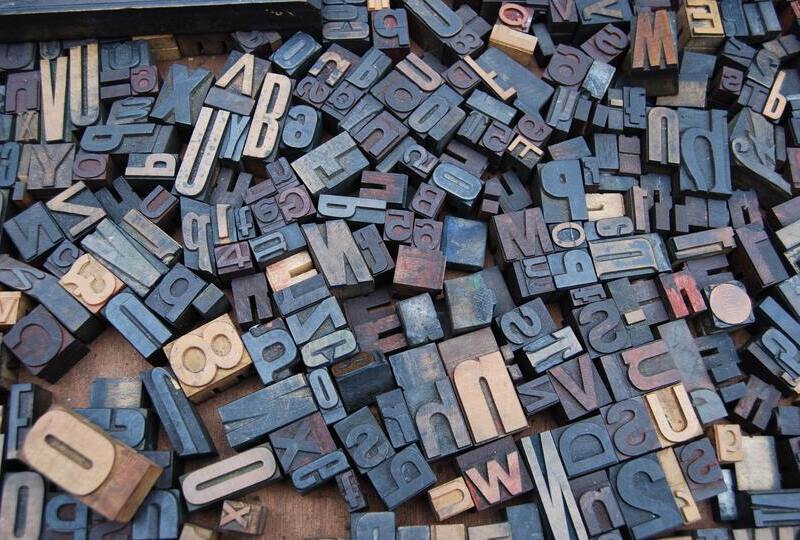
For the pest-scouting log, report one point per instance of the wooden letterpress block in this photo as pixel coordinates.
(65, 517)
(727, 440)
(479, 411)
(338, 258)
(191, 531)
(91, 283)
(418, 271)
(372, 525)
(33, 232)
(361, 378)
(118, 479)
(319, 471)
(602, 328)
(43, 345)
(242, 518)
(560, 508)
(13, 306)
(437, 399)
(302, 442)
(758, 470)
(579, 386)
(673, 415)
(700, 467)
(585, 446)
(229, 477)
(450, 499)
(22, 512)
(132, 427)
(200, 367)
(291, 270)
(395, 488)
(350, 491)
(186, 432)
(597, 502)
(755, 409)
(681, 494)
(138, 325)
(494, 473)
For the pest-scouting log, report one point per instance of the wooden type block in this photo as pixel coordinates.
(585, 446)
(65, 517)
(302, 442)
(758, 471)
(118, 199)
(700, 467)
(191, 531)
(361, 378)
(375, 322)
(301, 295)
(727, 440)
(129, 110)
(396, 418)
(550, 350)
(374, 251)
(152, 169)
(156, 242)
(350, 491)
(91, 283)
(22, 511)
(233, 260)
(161, 514)
(208, 359)
(364, 440)
(451, 498)
(277, 244)
(437, 399)
(186, 432)
(33, 232)
(652, 366)
(229, 477)
(316, 321)
(602, 328)
(250, 419)
(597, 502)
(579, 386)
(251, 300)
(44, 288)
(630, 427)
(289, 271)
(469, 346)
(372, 525)
(525, 324)
(326, 395)
(338, 258)
(660, 513)
(131, 426)
(264, 133)
(494, 473)
(561, 512)
(181, 96)
(13, 306)
(396, 488)
(499, 412)
(756, 255)
(26, 403)
(125, 258)
(54, 83)
(755, 409)
(199, 166)
(173, 296)
(418, 270)
(140, 327)
(672, 413)
(343, 150)
(273, 351)
(243, 518)
(537, 395)
(117, 481)
(682, 496)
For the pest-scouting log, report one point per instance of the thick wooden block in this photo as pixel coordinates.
(114, 484)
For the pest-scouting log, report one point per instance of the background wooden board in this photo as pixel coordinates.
(318, 514)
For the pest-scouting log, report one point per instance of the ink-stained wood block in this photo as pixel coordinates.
(76, 210)
(755, 409)
(759, 470)
(117, 481)
(22, 511)
(138, 325)
(125, 258)
(579, 386)
(396, 418)
(450, 499)
(133, 427)
(33, 232)
(380, 525)
(660, 514)
(560, 509)
(186, 432)
(682, 496)
(41, 344)
(350, 491)
(419, 320)
(91, 283)
(65, 517)
(727, 439)
(316, 321)
(597, 502)
(494, 473)
(700, 467)
(375, 322)
(229, 477)
(242, 518)
(289, 271)
(673, 415)
(319, 471)
(437, 399)
(13, 306)
(630, 427)
(190, 531)
(361, 378)
(208, 358)
(418, 271)
(585, 446)
(338, 258)
(395, 487)
(492, 410)
(301, 442)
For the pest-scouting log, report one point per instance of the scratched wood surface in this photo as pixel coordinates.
(316, 515)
